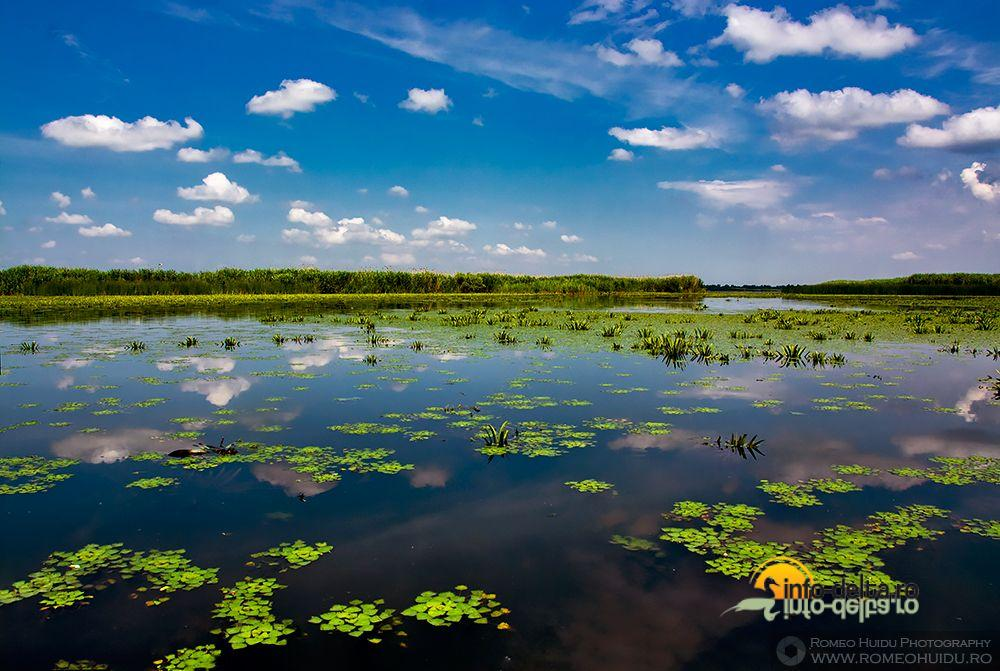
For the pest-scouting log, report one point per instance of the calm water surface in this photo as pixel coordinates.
(507, 525)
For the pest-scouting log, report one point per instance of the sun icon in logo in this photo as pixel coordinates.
(778, 572)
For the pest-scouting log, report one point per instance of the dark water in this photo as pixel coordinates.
(506, 525)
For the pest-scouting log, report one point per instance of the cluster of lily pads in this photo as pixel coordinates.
(69, 578)
(985, 528)
(833, 554)
(534, 438)
(81, 665)
(443, 609)
(956, 470)
(358, 618)
(651, 428)
(322, 464)
(800, 494)
(589, 486)
(722, 532)
(293, 555)
(32, 474)
(153, 483)
(247, 608)
(198, 658)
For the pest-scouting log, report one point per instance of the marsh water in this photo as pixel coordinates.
(505, 524)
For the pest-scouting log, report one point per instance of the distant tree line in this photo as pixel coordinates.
(51, 281)
(942, 284)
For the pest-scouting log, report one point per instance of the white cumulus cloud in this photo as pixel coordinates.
(982, 190)
(88, 193)
(842, 114)
(398, 259)
(279, 160)
(112, 133)
(105, 231)
(192, 155)
(48, 244)
(217, 187)
(763, 35)
(398, 191)
(299, 215)
(202, 216)
(978, 129)
(60, 199)
(570, 239)
(444, 227)
(218, 392)
(66, 218)
(294, 95)
(905, 256)
(755, 193)
(667, 138)
(640, 52)
(501, 249)
(429, 101)
(325, 233)
(619, 154)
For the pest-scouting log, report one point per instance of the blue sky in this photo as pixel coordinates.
(741, 142)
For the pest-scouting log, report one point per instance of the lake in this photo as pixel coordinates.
(362, 426)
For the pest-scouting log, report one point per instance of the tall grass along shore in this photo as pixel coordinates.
(50, 281)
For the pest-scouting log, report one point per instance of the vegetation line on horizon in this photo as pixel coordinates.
(54, 281)
(51, 281)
